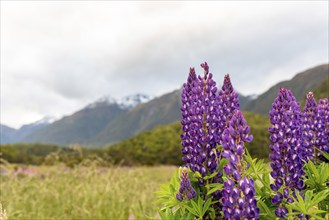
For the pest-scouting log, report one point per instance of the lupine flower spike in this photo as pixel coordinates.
(238, 200)
(308, 132)
(199, 122)
(286, 164)
(186, 191)
(322, 127)
(227, 102)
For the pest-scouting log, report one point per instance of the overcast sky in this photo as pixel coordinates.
(56, 57)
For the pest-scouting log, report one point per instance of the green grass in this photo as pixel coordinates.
(83, 193)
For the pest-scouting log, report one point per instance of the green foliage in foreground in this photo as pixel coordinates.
(59, 192)
(315, 204)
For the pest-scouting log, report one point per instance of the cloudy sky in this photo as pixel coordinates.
(56, 57)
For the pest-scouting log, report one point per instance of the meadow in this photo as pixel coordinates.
(59, 192)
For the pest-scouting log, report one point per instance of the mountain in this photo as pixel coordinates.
(131, 101)
(79, 127)
(108, 121)
(7, 134)
(300, 84)
(322, 91)
(84, 125)
(29, 129)
(161, 110)
(11, 135)
(244, 99)
(127, 102)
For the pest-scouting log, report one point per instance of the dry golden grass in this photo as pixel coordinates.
(83, 193)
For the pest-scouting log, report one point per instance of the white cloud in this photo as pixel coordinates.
(58, 56)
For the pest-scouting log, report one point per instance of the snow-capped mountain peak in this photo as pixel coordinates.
(252, 96)
(127, 102)
(105, 100)
(46, 120)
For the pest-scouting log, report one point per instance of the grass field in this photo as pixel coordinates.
(59, 192)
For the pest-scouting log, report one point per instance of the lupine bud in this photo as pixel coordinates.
(308, 130)
(285, 143)
(322, 127)
(186, 190)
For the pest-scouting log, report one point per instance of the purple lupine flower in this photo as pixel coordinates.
(199, 122)
(238, 200)
(186, 190)
(189, 138)
(233, 139)
(322, 127)
(227, 101)
(285, 143)
(308, 132)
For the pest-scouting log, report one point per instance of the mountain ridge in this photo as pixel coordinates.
(300, 84)
(108, 120)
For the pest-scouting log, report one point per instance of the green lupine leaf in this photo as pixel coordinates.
(317, 217)
(301, 203)
(319, 197)
(193, 209)
(219, 147)
(294, 206)
(323, 170)
(206, 206)
(195, 206)
(308, 196)
(210, 176)
(162, 214)
(316, 211)
(215, 188)
(266, 179)
(197, 174)
(172, 189)
(169, 214)
(314, 171)
(200, 206)
(325, 154)
(222, 163)
(269, 214)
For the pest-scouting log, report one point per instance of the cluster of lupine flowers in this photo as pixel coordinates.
(211, 118)
(296, 137)
(214, 130)
(287, 163)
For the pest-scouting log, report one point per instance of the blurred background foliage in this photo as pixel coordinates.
(160, 146)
